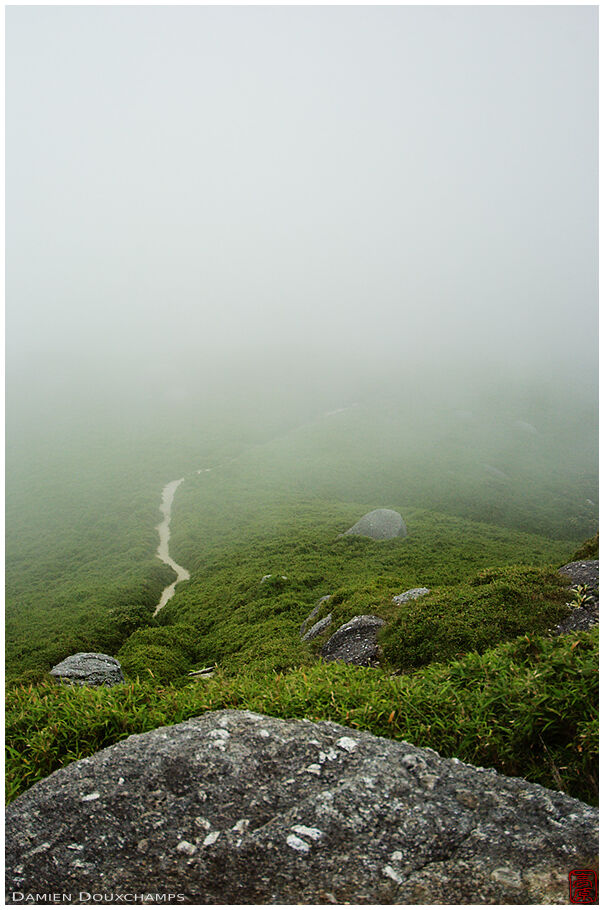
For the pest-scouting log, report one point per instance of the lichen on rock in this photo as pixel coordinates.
(247, 824)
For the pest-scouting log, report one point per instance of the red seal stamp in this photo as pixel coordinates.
(583, 886)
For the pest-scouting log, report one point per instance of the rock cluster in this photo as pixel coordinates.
(89, 669)
(236, 808)
(314, 612)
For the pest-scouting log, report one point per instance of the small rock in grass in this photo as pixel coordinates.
(412, 594)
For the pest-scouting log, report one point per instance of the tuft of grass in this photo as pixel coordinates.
(527, 708)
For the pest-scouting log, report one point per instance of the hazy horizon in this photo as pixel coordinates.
(363, 189)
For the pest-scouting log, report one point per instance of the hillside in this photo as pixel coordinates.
(274, 502)
(301, 454)
(81, 518)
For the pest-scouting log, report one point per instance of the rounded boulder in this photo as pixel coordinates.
(89, 669)
(381, 524)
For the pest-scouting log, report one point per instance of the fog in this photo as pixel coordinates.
(206, 197)
(300, 263)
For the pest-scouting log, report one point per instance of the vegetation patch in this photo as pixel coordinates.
(526, 708)
(160, 653)
(82, 576)
(494, 606)
(243, 623)
(588, 550)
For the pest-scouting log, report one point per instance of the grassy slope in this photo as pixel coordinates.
(525, 708)
(83, 493)
(80, 541)
(238, 620)
(277, 507)
(82, 505)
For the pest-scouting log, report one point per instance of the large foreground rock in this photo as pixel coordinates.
(89, 669)
(381, 524)
(355, 642)
(236, 808)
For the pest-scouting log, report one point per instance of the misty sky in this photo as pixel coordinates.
(405, 182)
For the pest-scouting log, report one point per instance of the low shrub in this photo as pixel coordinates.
(163, 653)
(527, 708)
(588, 550)
(494, 606)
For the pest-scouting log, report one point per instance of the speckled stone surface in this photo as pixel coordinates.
(237, 808)
(318, 628)
(355, 642)
(89, 669)
(412, 594)
(583, 572)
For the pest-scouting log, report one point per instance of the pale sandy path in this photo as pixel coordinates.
(170, 489)
(163, 551)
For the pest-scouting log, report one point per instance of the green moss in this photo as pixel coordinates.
(496, 605)
(164, 654)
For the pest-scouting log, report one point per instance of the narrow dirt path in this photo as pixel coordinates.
(163, 550)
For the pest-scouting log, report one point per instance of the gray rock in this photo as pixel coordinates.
(411, 594)
(583, 572)
(89, 669)
(355, 642)
(268, 577)
(580, 619)
(495, 472)
(315, 610)
(318, 627)
(381, 524)
(236, 808)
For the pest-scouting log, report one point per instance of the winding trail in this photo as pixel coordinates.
(163, 551)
